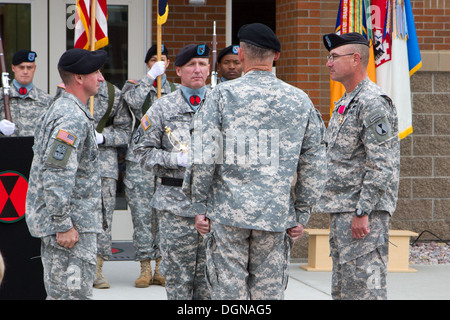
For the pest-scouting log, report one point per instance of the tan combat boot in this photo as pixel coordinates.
(100, 281)
(158, 279)
(145, 278)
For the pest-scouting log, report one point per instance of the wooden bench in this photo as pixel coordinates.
(319, 250)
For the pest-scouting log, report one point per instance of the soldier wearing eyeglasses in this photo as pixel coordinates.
(363, 161)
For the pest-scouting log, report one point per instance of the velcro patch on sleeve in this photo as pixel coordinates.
(66, 137)
(145, 122)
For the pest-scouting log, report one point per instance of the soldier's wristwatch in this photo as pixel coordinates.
(360, 213)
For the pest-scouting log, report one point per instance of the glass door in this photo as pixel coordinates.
(128, 38)
(23, 26)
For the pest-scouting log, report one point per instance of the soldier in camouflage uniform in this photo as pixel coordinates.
(140, 183)
(27, 102)
(64, 194)
(363, 173)
(250, 138)
(182, 251)
(113, 129)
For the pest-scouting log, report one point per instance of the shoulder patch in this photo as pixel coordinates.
(378, 124)
(145, 122)
(59, 154)
(66, 137)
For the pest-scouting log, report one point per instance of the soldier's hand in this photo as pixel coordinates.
(67, 239)
(360, 227)
(296, 232)
(7, 127)
(202, 224)
(157, 70)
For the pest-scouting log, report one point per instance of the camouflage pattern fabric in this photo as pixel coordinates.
(139, 183)
(25, 110)
(183, 258)
(359, 265)
(250, 139)
(64, 191)
(268, 260)
(69, 273)
(250, 188)
(363, 173)
(181, 244)
(363, 153)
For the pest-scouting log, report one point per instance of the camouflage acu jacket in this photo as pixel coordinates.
(154, 150)
(250, 139)
(363, 153)
(64, 186)
(25, 110)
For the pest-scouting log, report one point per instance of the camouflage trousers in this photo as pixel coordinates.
(359, 265)
(109, 187)
(69, 273)
(244, 264)
(139, 190)
(183, 258)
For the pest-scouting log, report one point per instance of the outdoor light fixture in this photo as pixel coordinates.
(197, 2)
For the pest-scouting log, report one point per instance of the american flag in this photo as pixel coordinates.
(66, 137)
(83, 24)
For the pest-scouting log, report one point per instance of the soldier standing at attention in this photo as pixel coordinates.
(228, 64)
(27, 102)
(139, 182)
(250, 138)
(160, 146)
(64, 194)
(363, 173)
(113, 129)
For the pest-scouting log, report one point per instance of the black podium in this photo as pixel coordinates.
(23, 279)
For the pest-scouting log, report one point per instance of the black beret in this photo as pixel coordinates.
(81, 61)
(233, 49)
(23, 56)
(152, 52)
(191, 51)
(332, 40)
(259, 35)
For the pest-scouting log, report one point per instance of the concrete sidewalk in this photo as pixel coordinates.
(428, 283)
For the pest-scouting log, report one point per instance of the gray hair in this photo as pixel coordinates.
(257, 53)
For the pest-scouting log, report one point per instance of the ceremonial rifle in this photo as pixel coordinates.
(214, 58)
(5, 82)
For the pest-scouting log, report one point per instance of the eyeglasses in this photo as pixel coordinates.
(334, 56)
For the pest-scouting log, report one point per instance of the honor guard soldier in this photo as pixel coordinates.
(139, 182)
(249, 140)
(27, 102)
(64, 194)
(228, 64)
(160, 145)
(363, 173)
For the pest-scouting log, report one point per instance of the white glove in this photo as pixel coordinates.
(100, 138)
(7, 127)
(182, 159)
(157, 69)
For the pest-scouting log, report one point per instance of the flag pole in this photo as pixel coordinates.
(158, 50)
(92, 44)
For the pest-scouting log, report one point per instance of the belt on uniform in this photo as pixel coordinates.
(172, 182)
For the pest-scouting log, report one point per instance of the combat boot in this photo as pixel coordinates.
(158, 279)
(100, 281)
(145, 278)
